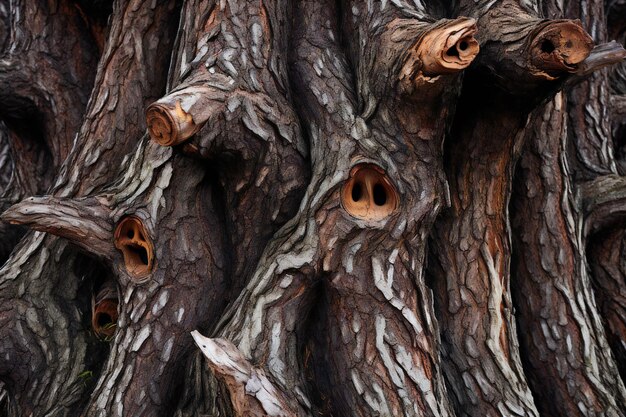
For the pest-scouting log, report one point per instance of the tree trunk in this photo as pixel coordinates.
(320, 203)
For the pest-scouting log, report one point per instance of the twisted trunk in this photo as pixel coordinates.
(300, 159)
(41, 285)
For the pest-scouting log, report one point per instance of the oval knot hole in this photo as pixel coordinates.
(131, 240)
(368, 193)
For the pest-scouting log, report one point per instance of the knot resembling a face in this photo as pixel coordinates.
(368, 194)
(132, 240)
(558, 48)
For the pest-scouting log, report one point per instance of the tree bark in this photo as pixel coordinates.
(609, 278)
(42, 94)
(306, 258)
(472, 250)
(39, 281)
(565, 341)
(302, 159)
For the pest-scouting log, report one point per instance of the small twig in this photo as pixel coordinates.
(601, 56)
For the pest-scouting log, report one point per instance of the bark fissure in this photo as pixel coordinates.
(47, 380)
(273, 174)
(472, 241)
(386, 276)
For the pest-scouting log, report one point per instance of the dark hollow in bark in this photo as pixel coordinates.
(132, 239)
(104, 310)
(283, 200)
(369, 194)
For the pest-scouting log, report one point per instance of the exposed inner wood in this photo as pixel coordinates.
(559, 47)
(132, 240)
(448, 49)
(163, 127)
(369, 194)
(177, 116)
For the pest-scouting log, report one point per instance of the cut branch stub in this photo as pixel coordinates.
(368, 194)
(559, 47)
(447, 49)
(132, 240)
(176, 117)
(167, 127)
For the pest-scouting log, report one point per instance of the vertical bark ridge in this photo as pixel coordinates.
(591, 135)
(568, 360)
(591, 143)
(307, 254)
(615, 12)
(471, 268)
(471, 242)
(6, 162)
(9, 193)
(34, 284)
(606, 252)
(140, 36)
(604, 248)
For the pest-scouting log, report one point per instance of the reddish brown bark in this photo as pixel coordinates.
(565, 342)
(49, 380)
(297, 157)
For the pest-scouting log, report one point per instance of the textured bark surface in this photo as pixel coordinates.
(298, 208)
(608, 270)
(43, 94)
(552, 279)
(40, 281)
(472, 241)
(307, 269)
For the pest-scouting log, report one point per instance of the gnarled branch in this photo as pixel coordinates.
(85, 222)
